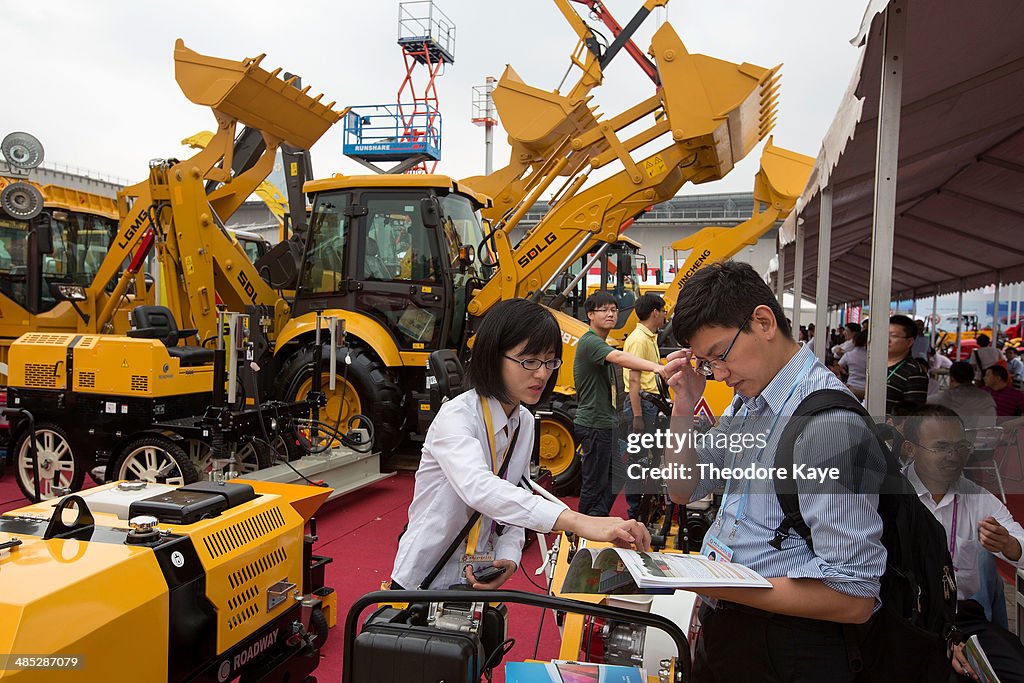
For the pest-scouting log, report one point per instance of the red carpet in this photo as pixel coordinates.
(360, 531)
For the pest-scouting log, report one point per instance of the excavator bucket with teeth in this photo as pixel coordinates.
(253, 96)
(719, 109)
(538, 118)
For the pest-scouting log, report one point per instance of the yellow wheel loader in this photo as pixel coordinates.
(358, 256)
(138, 403)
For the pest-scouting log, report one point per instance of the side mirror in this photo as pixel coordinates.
(43, 229)
(430, 211)
(467, 255)
(645, 271)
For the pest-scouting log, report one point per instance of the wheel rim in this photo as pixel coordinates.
(279, 449)
(54, 454)
(344, 395)
(151, 463)
(246, 459)
(557, 447)
(201, 455)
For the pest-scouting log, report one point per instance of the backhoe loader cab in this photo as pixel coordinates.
(397, 249)
(57, 247)
(396, 257)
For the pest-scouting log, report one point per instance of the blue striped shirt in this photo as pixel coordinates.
(846, 529)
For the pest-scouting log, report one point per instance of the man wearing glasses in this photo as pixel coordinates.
(905, 380)
(596, 417)
(733, 330)
(976, 523)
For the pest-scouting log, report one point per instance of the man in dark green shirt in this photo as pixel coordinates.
(596, 417)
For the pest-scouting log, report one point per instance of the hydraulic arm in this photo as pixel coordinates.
(542, 124)
(714, 111)
(199, 258)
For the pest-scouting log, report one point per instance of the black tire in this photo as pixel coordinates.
(567, 476)
(55, 453)
(380, 398)
(318, 627)
(156, 459)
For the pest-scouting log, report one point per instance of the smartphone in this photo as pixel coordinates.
(488, 574)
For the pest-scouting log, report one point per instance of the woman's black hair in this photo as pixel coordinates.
(506, 326)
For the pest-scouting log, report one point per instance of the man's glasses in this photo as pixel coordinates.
(533, 364)
(961, 450)
(610, 309)
(707, 367)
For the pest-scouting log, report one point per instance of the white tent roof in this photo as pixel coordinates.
(960, 188)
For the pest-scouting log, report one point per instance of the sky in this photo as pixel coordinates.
(95, 80)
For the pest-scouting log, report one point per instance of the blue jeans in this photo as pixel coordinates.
(650, 414)
(596, 448)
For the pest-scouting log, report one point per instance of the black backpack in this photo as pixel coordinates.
(907, 639)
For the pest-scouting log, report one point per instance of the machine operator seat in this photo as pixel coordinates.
(446, 376)
(157, 322)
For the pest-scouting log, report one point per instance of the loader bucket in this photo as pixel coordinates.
(723, 107)
(253, 96)
(783, 176)
(538, 118)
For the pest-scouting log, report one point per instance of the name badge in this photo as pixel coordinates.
(478, 558)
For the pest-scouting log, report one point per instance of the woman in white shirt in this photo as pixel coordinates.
(516, 353)
(855, 362)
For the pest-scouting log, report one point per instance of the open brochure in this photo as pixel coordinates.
(616, 570)
(571, 672)
(978, 661)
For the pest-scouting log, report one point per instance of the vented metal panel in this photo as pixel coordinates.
(87, 380)
(254, 569)
(40, 375)
(40, 338)
(243, 608)
(140, 383)
(243, 532)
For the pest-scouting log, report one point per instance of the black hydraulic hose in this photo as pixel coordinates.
(515, 597)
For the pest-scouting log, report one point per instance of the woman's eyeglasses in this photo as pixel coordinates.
(533, 364)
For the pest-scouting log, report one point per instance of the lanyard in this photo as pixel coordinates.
(893, 371)
(474, 533)
(742, 505)
(952, 533)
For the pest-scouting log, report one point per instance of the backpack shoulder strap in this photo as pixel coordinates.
(785, 489)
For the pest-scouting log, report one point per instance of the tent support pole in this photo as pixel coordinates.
(824, 252)
(798, 277)
(995, 312)
(959, 318)
(886, 169)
